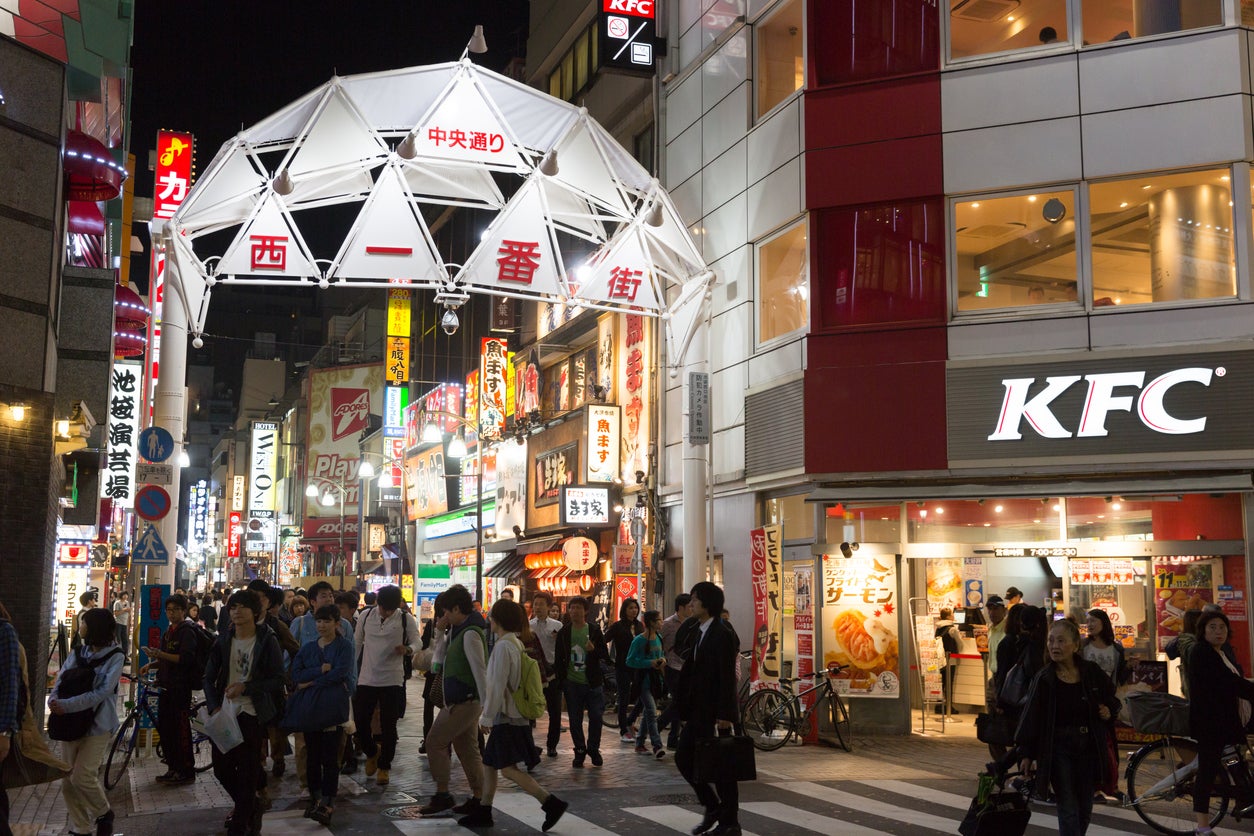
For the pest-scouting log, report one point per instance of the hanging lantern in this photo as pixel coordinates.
(130, 323)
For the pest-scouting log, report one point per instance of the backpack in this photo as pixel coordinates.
(529, 695)
(948, 640)
(75, 682)
(204, 642)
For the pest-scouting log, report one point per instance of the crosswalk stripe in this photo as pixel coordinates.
(959, 802)
(668, 815)
(527, 810)
(892, 812)
(806, 819)
(412, 827)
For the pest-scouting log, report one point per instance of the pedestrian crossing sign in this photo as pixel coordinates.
(149, 549)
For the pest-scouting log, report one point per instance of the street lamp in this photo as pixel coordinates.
(431, 434)
(327, 500)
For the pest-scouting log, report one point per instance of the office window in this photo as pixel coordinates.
(1104, 20)
(1015, 251)
(986, 27)
(780, 55)
(783, 284)
(1162, 238)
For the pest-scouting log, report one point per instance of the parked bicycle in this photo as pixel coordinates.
(127, 737)
(1160, 774)
(772, 716)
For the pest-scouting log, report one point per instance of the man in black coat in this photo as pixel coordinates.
(707, 703)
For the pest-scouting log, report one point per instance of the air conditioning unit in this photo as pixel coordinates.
(984, 11)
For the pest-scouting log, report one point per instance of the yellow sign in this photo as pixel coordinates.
(407, 588)
(396, 364)
(398, 313)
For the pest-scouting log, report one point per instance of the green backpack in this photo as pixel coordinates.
(529, 695)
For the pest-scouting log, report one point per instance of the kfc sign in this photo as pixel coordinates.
(636, 8)
(628, 30)
(1133, 406)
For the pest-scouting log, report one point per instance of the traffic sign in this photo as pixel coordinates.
(149, 549)
(152, 502)
(154, 474)
(156, 444)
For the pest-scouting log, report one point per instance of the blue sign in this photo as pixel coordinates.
(153, 622)
(156, 444)
(149, 549)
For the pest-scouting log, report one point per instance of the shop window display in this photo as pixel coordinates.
(1162, 238)
(1016, 251)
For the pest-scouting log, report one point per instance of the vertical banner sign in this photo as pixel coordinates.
(635, 359)
(199, 514)
(494, 363)
(603, 443)
(175, 153)
(628, 30)
(766, 566)
(698, 408)
(472, 409)
(860, 618)
(152, 625)
(398, 312)
(71, 582)
(397, 368)
(235, 529)
(929, 659)
(511, 488)
(395, 399)
(605, 356)
(239, 492)
(261, 536)
(125, 388)
(803, 619)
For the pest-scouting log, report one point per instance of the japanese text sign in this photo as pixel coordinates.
(766, 563)
(494, 363)
(123, 432)
(603, 443)
(398, 313)
(585, 506)
(235, 531)
(396, 365)
(860, 618)
(553, 470)
(262, 461)
(173, 172)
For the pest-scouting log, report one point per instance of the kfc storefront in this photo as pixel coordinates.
(1113, 482)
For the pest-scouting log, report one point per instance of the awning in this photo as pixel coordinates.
(1129, 486)
(91, 171)
(85, 218)
(539, 544)
(510, 566)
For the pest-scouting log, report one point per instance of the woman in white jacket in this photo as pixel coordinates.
(509, 733)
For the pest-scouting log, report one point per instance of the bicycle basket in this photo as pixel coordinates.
(1154, 712)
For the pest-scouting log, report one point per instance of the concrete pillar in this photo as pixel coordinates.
(170, 398)
(695, 484)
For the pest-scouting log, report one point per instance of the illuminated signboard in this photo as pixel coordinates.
(235, 529)
(628, 32)
(603, 443)
(260, 535)
(583, 505)
(494, 362)
(175, 154)
(125, 390)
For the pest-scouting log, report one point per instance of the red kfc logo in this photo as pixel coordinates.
(637, 8)
(350, 411)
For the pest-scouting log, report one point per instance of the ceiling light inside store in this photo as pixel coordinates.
(1057, 507)
(1116, 506)
(1031, 198)
(940, 510)
(997, 509)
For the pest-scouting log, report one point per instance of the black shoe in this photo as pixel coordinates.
(311, 806)
(595, 755)
(707, 822)
(467, 807)
(280, 766)
(578, 761)
(322, 815)
(553, 808)
(552, 752)
(481, 816)
(104, 824)
(162, 779)
(180, 780)
(726, 830)
(422, 747)
(349, 767)
(255, 823)
(439, 802)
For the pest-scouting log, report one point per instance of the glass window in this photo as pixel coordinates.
(794, 514)
(1015, 251)
(783, 284)
(581, 60)
(983, 520)
(568, 75)
(1105, 21)
(884, 264)
(555, 83)
(1116, 518)
(887, 39)
(1162, 238)
(781, 59)
(859, 523)
(984, 27)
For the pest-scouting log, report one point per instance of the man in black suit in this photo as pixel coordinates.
(707, 703)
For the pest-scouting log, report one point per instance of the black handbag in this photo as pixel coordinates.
(724, 759)
(995, 729)
(1001, 814)
(1014, 690)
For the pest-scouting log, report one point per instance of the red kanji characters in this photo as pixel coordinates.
(518, 261)
(437, 135)
(456, 139)
(269, 252)
(624, 282)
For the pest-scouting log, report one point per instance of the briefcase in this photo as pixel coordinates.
(1001, 814)
(725, 759)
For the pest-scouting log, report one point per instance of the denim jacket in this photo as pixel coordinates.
(104, 690)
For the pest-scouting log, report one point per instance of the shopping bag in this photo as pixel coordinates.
(997, 814)
(316, 708)
(222, 728)
(997, 729)
(724, 758)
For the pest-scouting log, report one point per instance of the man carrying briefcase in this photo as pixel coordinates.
(706, 701)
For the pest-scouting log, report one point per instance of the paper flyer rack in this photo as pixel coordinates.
(927, 661)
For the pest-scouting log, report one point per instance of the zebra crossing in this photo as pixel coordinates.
(775, 808)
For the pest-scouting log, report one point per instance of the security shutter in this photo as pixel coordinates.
(775, 430)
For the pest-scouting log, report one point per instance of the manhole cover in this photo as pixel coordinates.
(681, 799)
(410, 811)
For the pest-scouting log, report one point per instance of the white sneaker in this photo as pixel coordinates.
(627, 738)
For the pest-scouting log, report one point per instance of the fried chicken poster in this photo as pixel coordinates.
(861, 625)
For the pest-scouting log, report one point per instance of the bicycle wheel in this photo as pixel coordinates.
(120, 751)
(769, 719)
(609, 717)
(1168, 809)
(202, 747)
(840, 721)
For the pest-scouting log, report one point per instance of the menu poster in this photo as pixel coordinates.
(803, 619)
(1233, 602)
(944, 584)
(860, 619)
(1180, 586)
(980, 633)
(929, 659)
(1104, 572)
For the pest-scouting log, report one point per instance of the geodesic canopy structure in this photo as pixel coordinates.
(358, 182)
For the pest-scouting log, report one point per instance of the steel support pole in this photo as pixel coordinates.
(170, 400)
(696, 564)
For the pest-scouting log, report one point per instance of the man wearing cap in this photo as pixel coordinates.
(1014, 595)
(996, 609)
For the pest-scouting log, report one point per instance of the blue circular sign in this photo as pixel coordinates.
(156, 444)
(152, 502)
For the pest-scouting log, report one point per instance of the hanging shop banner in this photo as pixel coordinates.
(944, 583)
(527, 389)
(72, 581)
(1182, 583)
(606, 351)
(494, 364)
(553, 470)
(562, 403)
(860, 623)
(582, 505)
(262, 462)
(766, 563)
(511, 488)
(603, 443)
(341, 400)
(472, 408)
(396, 369)
(239, 493)
(398, 312)
(235, 531)
(426, 492)
(579, 379)
(803, 618)
(468, 484)
(392, 478)
(291, 559)
(635, 359)
(503, 313)
(624, 558)
(624, 587)
(125, 386)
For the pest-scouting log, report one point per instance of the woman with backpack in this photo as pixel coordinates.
(84, 716)
(509, 732)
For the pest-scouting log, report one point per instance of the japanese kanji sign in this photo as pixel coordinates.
(859, 613)
(125, 388)
(585, 506)
(766, 564)
(398, 312)
(173, 172)
(396, 364)
(635, 370)
(603, 443)
(553, 470)
(494, 365)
